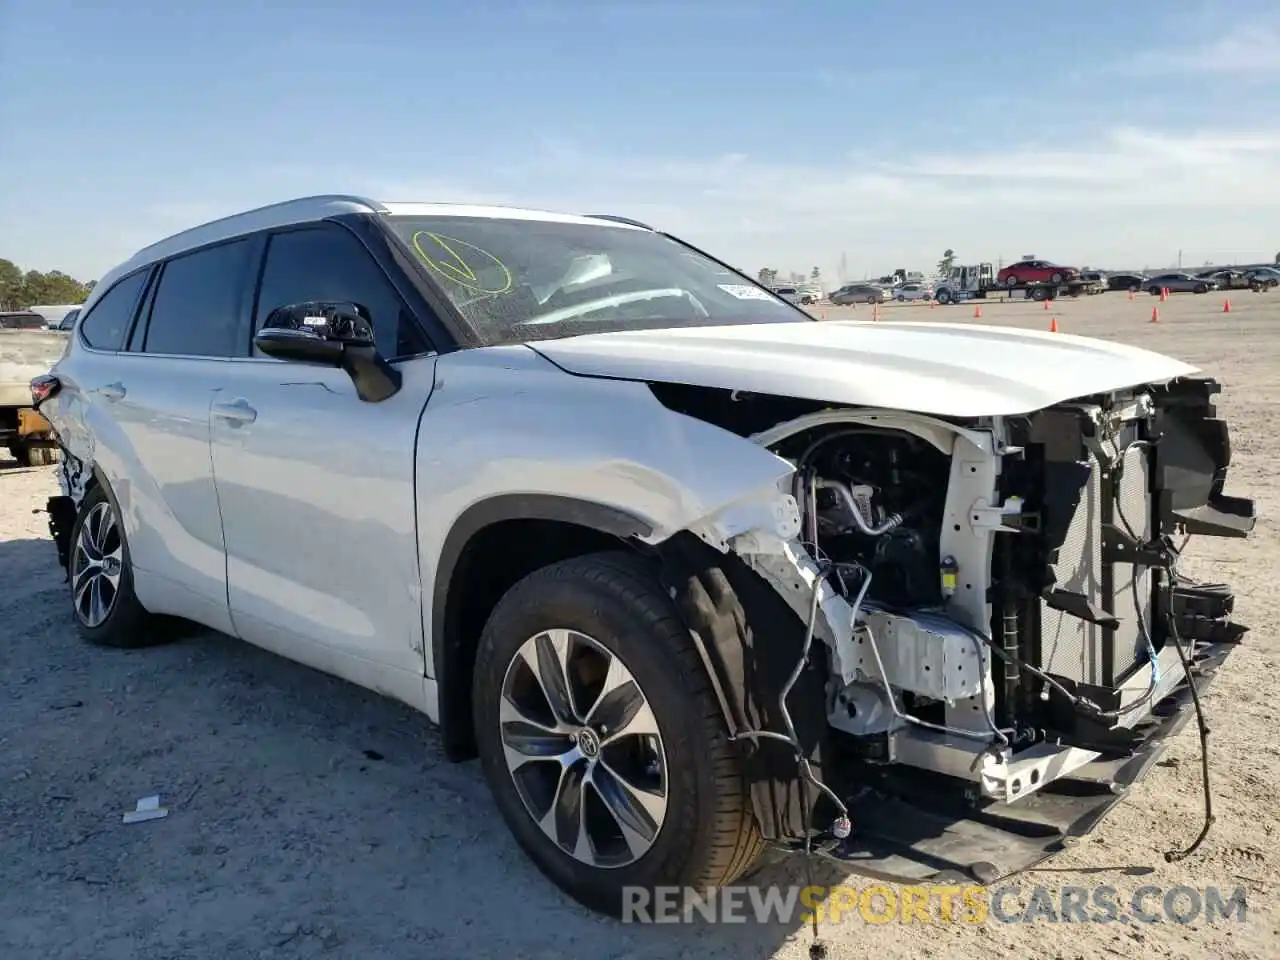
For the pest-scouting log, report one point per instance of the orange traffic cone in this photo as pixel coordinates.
(1046, 304)
(875, 312)
(1164, 294)
(1130, 294)
(977, 312)
(1226, 306)
(1053, 325)
(1155, 314)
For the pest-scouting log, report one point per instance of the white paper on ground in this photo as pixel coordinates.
(148, 808)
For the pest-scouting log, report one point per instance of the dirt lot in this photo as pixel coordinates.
(308, 818)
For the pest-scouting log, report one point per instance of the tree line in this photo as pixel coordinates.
(21, 289)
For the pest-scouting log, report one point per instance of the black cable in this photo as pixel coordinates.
(1171, 571)
(1172, 856)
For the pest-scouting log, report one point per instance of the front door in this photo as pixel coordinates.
(316, 486)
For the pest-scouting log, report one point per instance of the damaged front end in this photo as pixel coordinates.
(958, 644)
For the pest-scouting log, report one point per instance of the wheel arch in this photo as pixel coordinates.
(64, 508)
(515, 534)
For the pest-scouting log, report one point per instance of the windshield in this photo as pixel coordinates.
(520, 279)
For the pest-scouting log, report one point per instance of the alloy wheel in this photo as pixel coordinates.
(582, 745)
(97, 565)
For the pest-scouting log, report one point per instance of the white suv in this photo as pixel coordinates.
(688, 571)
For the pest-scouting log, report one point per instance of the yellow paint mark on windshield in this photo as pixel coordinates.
(461, 262)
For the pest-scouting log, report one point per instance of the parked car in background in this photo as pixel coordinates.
(53, 313)
(789, 294)
(859, 293)
(1126, 281)
(1180, 283)
(68, 322)
(22, 320)
(1263, 278)
(1096, 280)
(1227, 279)
(912, 291)
(1035, 271)
(27, 350)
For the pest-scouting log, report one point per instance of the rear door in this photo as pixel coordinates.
(193, 319)
(317, 486)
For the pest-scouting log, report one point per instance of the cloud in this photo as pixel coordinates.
(1129, 195)
(1124, 197)
(1250, 51)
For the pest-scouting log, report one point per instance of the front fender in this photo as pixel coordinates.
(507, 435)
(504, 421)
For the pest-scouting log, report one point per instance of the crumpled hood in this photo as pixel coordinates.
(961, 370)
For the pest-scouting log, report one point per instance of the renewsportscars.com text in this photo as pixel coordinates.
(936, 903)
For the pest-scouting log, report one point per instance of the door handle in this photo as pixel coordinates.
(112, 391)
(235, 411)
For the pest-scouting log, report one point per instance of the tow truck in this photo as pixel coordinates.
(978, 282)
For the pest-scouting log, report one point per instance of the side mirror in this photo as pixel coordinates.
(333, 334)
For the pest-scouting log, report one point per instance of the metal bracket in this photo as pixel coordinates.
(1007, 518)
(1119, 547)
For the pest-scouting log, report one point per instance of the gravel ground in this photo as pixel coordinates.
(310, 818)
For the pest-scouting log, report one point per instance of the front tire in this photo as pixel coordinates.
(629, 779)
(106, 609)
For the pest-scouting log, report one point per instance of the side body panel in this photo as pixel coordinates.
(143, 422)
(317, 503)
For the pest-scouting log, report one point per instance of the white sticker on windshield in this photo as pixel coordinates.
(744, 292)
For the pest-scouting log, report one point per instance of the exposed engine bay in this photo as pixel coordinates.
(996, 613)
(875, 498)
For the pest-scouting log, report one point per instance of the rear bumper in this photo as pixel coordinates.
(910, 828)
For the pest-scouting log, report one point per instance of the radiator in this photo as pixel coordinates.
(1076, 649)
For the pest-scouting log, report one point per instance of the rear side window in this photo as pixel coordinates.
(325, 262)
(196, 308)
(104, 327)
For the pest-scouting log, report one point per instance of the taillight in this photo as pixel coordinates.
(43, 387)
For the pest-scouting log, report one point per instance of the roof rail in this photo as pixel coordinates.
(616, 219)
(273, 214)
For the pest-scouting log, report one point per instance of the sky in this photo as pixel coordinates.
(871, 134)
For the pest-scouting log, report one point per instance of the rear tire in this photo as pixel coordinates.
(706, 836)
(99, 561)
